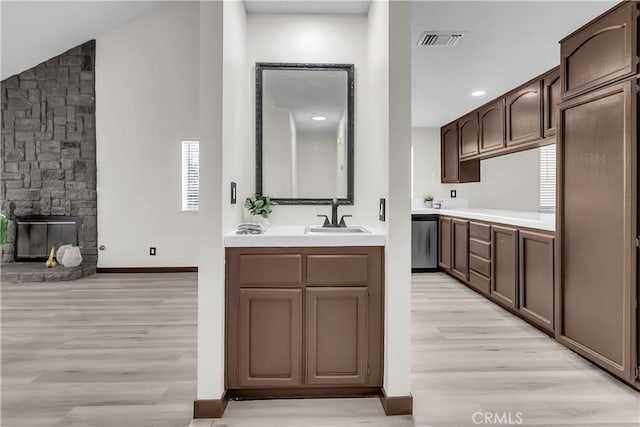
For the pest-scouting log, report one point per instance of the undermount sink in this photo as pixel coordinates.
(312, 229)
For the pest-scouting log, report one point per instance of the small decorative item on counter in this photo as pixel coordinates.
(438, 204)
(428, 201)
(250, 228)
(260, 207)
(51, 262)
(72, 257)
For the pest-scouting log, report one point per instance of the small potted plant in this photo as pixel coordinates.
(428, 201)
(260, 207)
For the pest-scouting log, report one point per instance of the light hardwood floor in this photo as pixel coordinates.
(119, 350)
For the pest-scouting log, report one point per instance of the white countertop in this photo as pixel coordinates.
(536, 220)
(294, 235)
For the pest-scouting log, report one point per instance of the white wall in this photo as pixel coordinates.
(397, 373)
(210, 365)
(146, 103)
(332, 39)
(506, 182)
(317, 158)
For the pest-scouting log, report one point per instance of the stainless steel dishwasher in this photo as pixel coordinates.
(424, 243)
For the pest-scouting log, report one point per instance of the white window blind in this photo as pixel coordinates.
(548, 177)
(190, 175)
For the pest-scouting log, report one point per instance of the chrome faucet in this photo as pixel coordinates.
(334, 216)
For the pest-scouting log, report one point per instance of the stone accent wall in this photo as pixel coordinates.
(48, 145)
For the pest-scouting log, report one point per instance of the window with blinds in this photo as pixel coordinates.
(190, 175)
(548, 177)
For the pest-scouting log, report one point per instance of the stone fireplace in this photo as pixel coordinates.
(48, 148)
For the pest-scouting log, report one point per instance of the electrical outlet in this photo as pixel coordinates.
(453, 194)
(382, 210)
(233, 193)
(152, 251)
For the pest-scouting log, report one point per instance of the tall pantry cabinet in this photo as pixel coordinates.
(597, 216)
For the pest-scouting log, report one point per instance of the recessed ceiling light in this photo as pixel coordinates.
(478, 92)
(318, 118)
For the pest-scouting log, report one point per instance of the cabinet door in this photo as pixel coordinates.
(601, 52)
(444, 237)
(536, 278)
(468, 129)
(524, 114)
(337, 335)
(504, 265)
(449, 153)
(596, 203)
(270, 337)
(460, 252)
(551, 96)
(492, 127)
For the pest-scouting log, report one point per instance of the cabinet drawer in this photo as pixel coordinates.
(480, 231)
(480, 248)
(479, 282)
(281, 269)
(480, 265)
(338, 269)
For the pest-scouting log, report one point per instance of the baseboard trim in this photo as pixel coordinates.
(147, 270)
(396, 405)
(210, 408)
(302, 393)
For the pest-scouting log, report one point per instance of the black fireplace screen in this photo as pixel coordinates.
(36, 235)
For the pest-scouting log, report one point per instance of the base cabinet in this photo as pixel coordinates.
(536, 287)
(444, 243)
(337, 320)
(303, 318)
(504, 265)
(270, 337)
(460, 250)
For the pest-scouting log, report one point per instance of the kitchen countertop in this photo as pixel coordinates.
(536, 220)
(294, 235)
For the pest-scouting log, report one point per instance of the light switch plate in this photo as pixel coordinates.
(453, 194)
(233, 193)
(382, 210)
(152, 251)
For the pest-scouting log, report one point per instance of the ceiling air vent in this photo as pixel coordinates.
(440, 38)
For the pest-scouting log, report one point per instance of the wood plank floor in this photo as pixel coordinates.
(119, 350)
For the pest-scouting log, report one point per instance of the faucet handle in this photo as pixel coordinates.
(326, 220)
(342, 223)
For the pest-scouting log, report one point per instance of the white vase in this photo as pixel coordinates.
(72, 257)
(259, 219)
(60, 252)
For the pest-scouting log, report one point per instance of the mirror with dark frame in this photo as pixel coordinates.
(304, 132)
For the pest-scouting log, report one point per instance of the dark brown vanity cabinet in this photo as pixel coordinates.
(468, 129)
(536, 286)
(601, 52)
(452, 170)
(504, 265)
(269, 337)
(524, 114)
(551, 99)
(460, 249)
(444, 243)
(491, 119)
(300, 318)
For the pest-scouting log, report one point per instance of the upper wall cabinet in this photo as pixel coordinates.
(449, 153)
(600, 52)
(551, 99)
(452, 170)
(492, 127)
(468, 128)
(524, 114)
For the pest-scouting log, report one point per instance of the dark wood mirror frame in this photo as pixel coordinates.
(349, 68)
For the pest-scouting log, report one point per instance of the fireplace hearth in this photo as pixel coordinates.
(37, 234)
